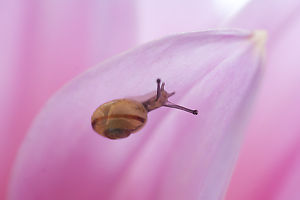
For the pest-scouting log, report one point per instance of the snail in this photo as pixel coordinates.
(119, 118)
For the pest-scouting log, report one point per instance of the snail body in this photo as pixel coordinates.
(119, 118)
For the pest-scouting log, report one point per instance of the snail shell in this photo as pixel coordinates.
(119, 118)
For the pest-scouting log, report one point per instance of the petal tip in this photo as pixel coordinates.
(259, 38)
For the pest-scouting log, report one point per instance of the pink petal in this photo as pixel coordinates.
(43, 45)
(176, 155)
(269, 15)
(192, 16)
(272, 140)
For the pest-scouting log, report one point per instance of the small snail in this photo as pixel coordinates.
(119, 118)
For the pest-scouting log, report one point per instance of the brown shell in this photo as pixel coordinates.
(119, 118)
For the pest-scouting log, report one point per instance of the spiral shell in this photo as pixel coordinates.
(119, 118)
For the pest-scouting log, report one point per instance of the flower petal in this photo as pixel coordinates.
(273, 133)
(272, 16)
(192, 16)
(176, 154)
(43, 45)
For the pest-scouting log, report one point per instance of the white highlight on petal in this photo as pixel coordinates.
(230, 7)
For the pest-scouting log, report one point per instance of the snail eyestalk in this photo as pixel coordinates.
(158, 91)
(172, 105)
(161, 99)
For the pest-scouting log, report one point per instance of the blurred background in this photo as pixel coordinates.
(44, 44)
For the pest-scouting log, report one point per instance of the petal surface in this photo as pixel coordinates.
(44, 44)
(176, 155)
(274, 128)
(195, 15)
(273, 133)
(47, 43)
